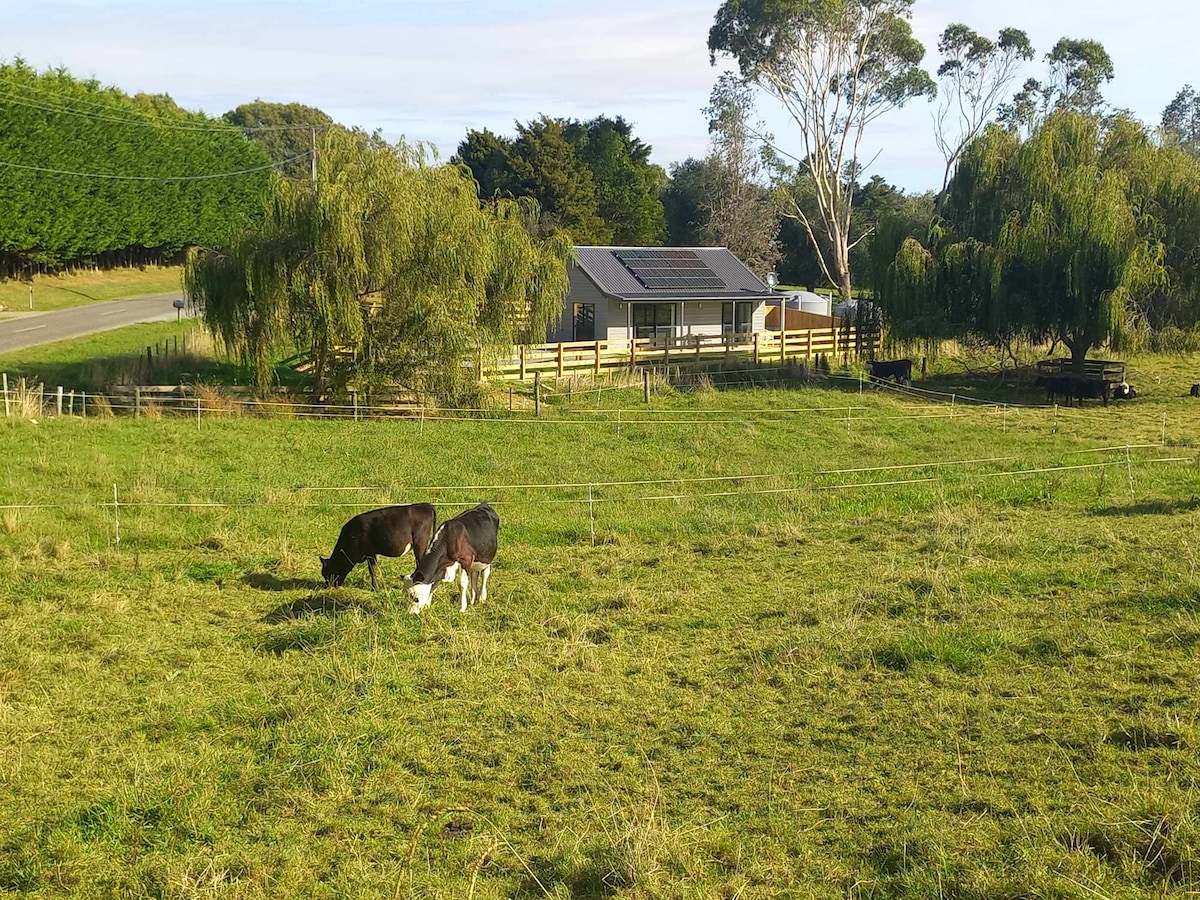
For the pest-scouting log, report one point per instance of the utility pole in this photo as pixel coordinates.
(313, 156)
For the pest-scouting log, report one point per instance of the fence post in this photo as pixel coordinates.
(7, 410)
(591, 516)
(597, 369)
(41, 398)
(137, 401)
(479, 364)
(116, 518)
(354, 400)
(698, 339)
(560, 360)
(521, 354)
(756, 336)
(71, 404)
(1164, 430)
(58, 397)
(149, 364)
(1129, 469)
(176, 345)
(537, 393)
(83, 404)
(632, 352)
(645, 385)
(510, 393)
(782, 345)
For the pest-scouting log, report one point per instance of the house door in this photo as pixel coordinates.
(737, 318)
(653, 320)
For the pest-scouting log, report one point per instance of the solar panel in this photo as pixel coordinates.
(660, 269)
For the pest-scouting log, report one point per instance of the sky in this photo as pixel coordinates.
(432, 69)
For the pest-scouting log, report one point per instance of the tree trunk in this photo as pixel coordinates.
(1079, 350)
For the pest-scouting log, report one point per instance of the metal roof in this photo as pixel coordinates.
(611, 276)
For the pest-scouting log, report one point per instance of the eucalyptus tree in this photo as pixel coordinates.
(1046, 238)
(836, 67)
(741, 211)
(974, 74)
(388, 268)
(1076, 72)
(1181, 120)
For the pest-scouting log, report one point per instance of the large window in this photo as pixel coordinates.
(653, 320)
(584, 318)
(737, 318)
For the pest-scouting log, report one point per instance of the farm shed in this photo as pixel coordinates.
(624, 293)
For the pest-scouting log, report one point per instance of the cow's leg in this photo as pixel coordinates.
(464, 582)
(373, 568)
(481, 593)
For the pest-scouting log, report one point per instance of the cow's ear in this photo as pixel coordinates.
(324, 560)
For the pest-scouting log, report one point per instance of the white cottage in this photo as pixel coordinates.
(618, 293)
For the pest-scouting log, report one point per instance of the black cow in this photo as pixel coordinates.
(1196, 390)
(391, 531)
(463, 547)
(1124, 391)
(899, 369)
(1091, 389)
(1057, 386)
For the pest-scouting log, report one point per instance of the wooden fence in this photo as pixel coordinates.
(760, 347)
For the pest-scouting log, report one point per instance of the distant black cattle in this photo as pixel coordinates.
(1196, 390)
(898, 369)
(463, 547)
(1124, 391)
(391, 531)
(1073, 387)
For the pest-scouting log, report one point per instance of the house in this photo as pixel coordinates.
(619, 293)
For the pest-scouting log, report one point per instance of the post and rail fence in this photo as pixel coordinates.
(596, 357)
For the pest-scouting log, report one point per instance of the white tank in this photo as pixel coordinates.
(815, 303)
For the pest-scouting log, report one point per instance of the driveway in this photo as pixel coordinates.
(30, 329)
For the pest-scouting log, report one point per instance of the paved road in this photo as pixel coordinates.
(30, 329)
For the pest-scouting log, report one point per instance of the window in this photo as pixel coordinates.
(653, 320)
(737, 318)
(584, 322)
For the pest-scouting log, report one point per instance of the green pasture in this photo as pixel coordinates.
(52, 292)
(960, 682)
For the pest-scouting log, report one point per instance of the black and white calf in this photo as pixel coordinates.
(391, 531)
(463, 548)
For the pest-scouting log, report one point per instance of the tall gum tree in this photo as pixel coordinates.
(389, 268)
(836, 67)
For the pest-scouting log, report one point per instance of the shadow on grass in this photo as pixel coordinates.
(321, 604)
(265, 581)
(1150, 508)
(590, 879)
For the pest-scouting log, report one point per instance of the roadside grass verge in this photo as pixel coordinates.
(51, 292)
(98, 361)
(963, 687)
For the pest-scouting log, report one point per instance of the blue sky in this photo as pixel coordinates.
(431, 69)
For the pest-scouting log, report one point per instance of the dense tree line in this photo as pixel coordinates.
(594, 179)
(55, 122)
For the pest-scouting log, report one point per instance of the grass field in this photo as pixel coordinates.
(958, 683)
(52, 292)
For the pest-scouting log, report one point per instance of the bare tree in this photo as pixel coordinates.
(742, 213)
(975, 72)
(836, 66)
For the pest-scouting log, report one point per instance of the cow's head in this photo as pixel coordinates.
(333, 575)
(421, 591)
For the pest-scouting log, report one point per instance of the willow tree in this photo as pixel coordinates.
(1042, 239)
(388, 268)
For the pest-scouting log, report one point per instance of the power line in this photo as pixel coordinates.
(45, 106)
(170, 178)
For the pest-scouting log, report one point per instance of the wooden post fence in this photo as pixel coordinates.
(7, 408)
(58, 398)
(537, 393)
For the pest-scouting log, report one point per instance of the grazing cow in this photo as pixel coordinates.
(1124, 391)
(899, 369)
(391, 531)
(1196, 390)
(463, 547)
(1091, 389)
(1057, 386)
